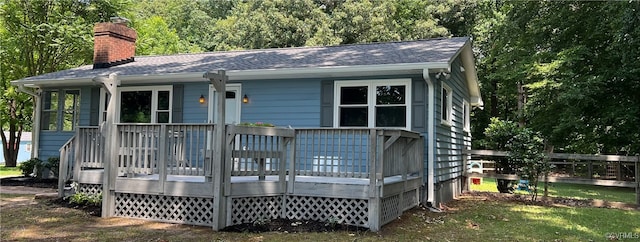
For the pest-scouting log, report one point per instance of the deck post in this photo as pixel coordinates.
(110, 84)
(292, 164)
(162, 159)
(374, 191)
(637, 180)
(219, 82)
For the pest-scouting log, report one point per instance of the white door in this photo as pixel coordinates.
(232, 107)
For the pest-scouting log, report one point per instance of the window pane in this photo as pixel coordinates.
(353, 117)
(231, 94)
(163, 100)
(444, 104)
(353, 95)
(51, 101)
(391, 116)
(68, 121)
(163, 117)
(50, 120)
(135, 107)
(71, 107)
(390, 94)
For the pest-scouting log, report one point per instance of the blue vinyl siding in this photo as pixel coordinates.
(282, 102)
(451, 140)
(193, 111)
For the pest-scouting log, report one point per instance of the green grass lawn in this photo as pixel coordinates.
(579, 191)
(10, 171)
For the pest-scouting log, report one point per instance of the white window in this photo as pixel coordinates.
(143, 104)
(373, 103)
(446, 105)
(466, 111)
(60, 112)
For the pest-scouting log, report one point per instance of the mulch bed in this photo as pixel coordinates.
(29, 182)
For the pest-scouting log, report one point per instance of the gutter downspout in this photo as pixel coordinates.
(35, 132)
(430, 139)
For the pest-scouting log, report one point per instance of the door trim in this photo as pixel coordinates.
(212, 102)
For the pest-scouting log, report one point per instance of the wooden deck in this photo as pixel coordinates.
(167, 172)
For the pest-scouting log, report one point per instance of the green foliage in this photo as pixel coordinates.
(576, 62)
(86, 199)
(156, 38)
(38, 37)
(526, 153)
(29, 167)
(53, 164)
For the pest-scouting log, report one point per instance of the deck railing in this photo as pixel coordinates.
(172, 149)
(257, 151)
(357, 153)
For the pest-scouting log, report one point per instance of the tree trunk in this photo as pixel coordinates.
(11, 144)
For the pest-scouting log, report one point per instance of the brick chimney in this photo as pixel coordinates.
(114, 43)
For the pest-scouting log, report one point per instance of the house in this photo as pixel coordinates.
(363, 132)
(24, 152)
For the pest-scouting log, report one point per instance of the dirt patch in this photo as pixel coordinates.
(90, 209)
(551, 201)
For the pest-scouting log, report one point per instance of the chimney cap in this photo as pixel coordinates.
(120, 20)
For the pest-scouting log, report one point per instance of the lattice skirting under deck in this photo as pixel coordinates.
(252, 209)
(392, 208)
(91, 189)
(188, 210)
(342, 210)
(410, 199)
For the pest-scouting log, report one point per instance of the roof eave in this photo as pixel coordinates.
(468, 63)
(237, 75)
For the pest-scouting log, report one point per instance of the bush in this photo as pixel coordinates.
(53, 163)
(86, 199)
(30, 167)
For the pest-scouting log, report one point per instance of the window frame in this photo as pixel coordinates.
(154, 101)
(371, 85)
(448, 106)
(61, 110)
(466, 116)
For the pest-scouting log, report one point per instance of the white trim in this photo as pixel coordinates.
(466, 116)
(448, 120)
(371, 98)
(212, 101)
(154, 97)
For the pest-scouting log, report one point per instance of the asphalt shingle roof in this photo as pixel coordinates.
(420, 51)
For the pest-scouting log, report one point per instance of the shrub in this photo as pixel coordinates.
(526, 153)
(81, 198)
(53, 163)
(30, 166)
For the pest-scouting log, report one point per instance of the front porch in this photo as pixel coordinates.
(182, 173)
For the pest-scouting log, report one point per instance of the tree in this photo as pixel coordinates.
(274, 24)
(156, 38)
(499, 135)
(577, 63)
(38, 37)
